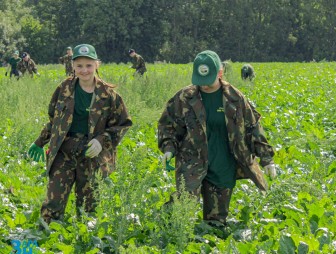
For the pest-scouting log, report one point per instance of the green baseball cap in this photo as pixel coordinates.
(16, 52)
(206, 67)
(69, 48)
(85, 50)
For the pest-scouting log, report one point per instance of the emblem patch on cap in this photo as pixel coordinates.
(83, 50)
(203, 70)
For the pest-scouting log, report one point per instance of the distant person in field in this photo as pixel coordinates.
(87, 120)
(227, 67)
(67, 61)
(27, 65)
(12, 65)
(138, 62)
(247, 72)
(215, 135)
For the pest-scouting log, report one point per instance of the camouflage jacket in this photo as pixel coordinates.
(139, 64)
(108, 120)
(247, 71)
(67, 61)
(29, 66)
(182, 131)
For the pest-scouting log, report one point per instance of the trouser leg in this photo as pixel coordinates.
(61, 180)
(85, 185)
(216, 202)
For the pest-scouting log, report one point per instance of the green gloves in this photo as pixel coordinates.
(35, 152)
(166, 159)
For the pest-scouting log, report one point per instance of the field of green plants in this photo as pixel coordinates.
(297, 215)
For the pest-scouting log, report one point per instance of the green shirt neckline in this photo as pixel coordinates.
(80, 122)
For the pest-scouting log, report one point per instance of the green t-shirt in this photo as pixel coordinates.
(222, 165)
(13, 62)
(81, 113)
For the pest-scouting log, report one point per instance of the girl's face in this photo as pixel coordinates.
(85, 68)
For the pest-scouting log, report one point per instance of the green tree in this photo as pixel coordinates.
(10, 29)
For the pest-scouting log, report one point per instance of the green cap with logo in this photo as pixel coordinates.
(206, 67)
(85, 50)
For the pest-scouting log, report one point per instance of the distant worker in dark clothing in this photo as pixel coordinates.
(27, 64)
(12, 65)
(247, 72)
(138, 62)
(67, 61)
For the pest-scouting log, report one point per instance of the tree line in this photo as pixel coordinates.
(174, 31)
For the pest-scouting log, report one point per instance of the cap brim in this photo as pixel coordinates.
(86, 57)
(199, 80)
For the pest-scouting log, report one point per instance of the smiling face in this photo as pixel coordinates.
(85, 68)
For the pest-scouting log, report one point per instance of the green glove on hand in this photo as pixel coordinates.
(166, 159)
(36, 153)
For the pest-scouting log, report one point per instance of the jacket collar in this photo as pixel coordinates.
(99, 91)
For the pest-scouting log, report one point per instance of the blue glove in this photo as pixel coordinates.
(36, 153)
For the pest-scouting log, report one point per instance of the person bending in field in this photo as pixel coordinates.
(138, 62)
(87, 120)
(27, 64)
(215, 135)
(247, 72)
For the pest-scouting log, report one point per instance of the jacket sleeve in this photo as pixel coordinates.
(34, 66)
(61, 60)
(255, 135)
(117, 125)
(171, 127)
(46, 131)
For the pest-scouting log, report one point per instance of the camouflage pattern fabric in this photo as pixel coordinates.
(29, 66)
(70, 167)
(108, 121)
(216, 202)
(67, 61)
(182, 131)
(247, 71)
(139, 64)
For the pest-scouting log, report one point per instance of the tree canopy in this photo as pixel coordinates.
(175, 31)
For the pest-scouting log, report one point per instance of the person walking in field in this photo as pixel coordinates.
(12, 65)
(87, 120)
(67, 61)
(247, 72)
(215, 135)
(27, 64)
(138, 62)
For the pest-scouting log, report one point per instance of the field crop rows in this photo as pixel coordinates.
(297, 215)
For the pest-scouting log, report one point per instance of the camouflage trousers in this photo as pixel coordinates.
(140, 71)
(216, 202)
(69, 168)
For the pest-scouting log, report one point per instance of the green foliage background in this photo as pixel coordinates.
(297, 215)
(241, 30)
